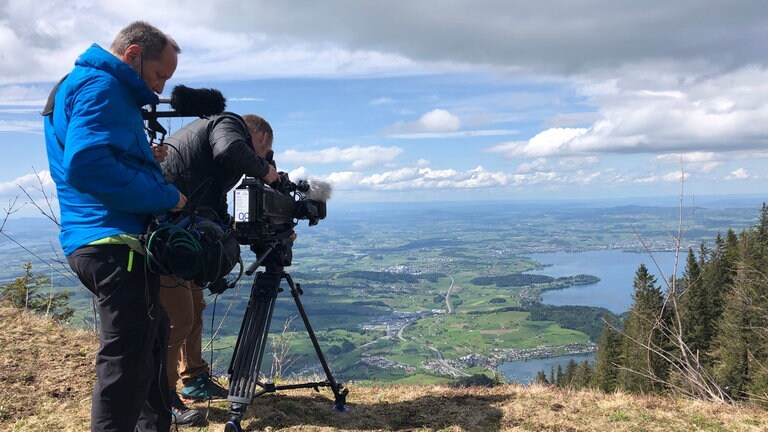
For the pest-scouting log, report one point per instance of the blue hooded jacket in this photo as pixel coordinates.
(107, 179)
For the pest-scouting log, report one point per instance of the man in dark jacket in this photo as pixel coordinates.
(206, 159)
(108, 183)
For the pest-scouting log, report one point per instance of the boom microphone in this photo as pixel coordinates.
(189, 102)
(186, 102)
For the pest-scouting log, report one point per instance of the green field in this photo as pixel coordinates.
(369, 272)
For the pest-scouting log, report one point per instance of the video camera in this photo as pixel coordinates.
(265, 213)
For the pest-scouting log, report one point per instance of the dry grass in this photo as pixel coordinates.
(46, 375)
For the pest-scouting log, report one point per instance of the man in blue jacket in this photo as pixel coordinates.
(108, 182)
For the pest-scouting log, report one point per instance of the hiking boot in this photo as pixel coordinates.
(202, 387)
(183, 416)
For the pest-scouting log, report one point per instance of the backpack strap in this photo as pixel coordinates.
(48, 109)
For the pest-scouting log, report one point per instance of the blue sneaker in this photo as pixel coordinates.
(202, 387)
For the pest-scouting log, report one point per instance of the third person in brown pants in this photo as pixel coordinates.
(207, 159)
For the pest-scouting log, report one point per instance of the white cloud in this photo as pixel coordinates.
(675, 177)
(344, 179)
(688, 157)
(24, 95)
(438, 120)
(21, 126)
(533, 166)
(30, 182)
(382, 101)
(426, 178)
(304, 38)
(359, 157)
(738, 174)
(298, 173)
(701, 162)
(645, 180)
(245, 99)
(538, 175)
(577, 163)
(655, 110)
(551, 142)
(457, 134)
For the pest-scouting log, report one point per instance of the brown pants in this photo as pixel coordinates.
(184, 306)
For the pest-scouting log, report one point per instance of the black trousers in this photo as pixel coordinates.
(131, 392)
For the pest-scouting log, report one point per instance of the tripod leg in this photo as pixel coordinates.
(249, 350)
(339, 392)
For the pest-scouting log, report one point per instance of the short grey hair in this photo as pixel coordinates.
(151, 40)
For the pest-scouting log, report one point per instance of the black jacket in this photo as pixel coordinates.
(213, 154)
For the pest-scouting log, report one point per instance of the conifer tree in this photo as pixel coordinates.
(608, 355)
(732, 250)
(733, 339)
(643, 369)
(26, 292)
(570, 373)
(717, 277)
(583, 375)
(742, 341)
(695, 318)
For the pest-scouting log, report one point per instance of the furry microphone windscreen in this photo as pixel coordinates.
(319, 190)
(197, 102)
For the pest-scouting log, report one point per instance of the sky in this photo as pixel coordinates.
(441, 100)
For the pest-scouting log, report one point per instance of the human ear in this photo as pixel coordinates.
(132, 55)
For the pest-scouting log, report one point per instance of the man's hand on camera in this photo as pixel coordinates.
(182, 202)
(160, 152)
(271, 176)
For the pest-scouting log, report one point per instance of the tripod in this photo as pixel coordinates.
(244, 383)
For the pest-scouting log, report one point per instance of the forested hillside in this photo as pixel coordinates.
(702, 335)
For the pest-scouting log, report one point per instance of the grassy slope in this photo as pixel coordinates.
(46, 375)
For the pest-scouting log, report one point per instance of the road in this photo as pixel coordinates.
(448, 304)
(439, 359)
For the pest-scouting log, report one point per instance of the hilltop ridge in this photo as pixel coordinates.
(47, 377)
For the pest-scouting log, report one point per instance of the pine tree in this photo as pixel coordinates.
(608, 355)
(642, 369)
(583, 375)
(541, 378)
(695, 318)
(742, 342)
(733, 338)
(25, 292)
(717, 276)
(570, 373)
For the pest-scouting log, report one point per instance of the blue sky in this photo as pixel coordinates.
(434, 100)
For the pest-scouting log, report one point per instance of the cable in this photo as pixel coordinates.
(169, 240)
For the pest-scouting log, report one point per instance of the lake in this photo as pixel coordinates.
(616, 270)
(524, 371)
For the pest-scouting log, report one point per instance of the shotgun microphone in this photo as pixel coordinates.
(186, 102)
(190, 102)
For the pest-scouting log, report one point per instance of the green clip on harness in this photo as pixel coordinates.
(131, 241)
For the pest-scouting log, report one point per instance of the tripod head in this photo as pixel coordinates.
(274, 254)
